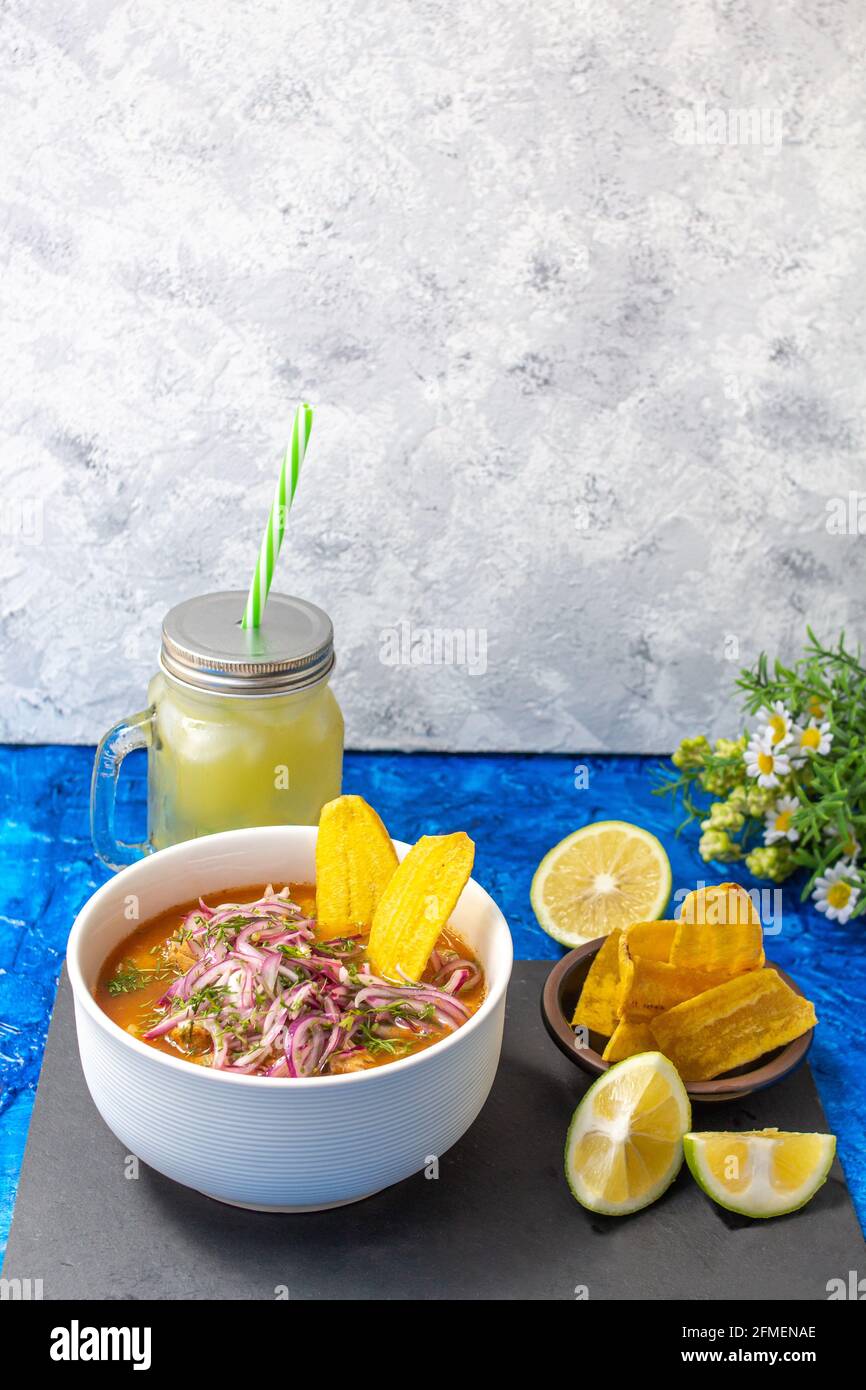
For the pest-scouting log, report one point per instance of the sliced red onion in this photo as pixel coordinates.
(182, 987)
(287, 1015)
(416, 997)
(166, 1024)
(263, 1047)
(220, 1041)
(304, 1044)
(326, 965)
(334, 1044)
(277, 1010)
(270, 970)
(195, 922)
(444, 978)
(300, 995)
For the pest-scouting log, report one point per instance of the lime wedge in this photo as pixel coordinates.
(760, 1172)
(625, 1141)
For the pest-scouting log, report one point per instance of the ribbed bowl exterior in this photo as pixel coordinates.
(270, 1146)
(282, 1144)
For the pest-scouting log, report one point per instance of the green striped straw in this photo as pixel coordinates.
(287, 483)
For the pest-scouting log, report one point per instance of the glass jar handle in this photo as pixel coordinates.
(126, 736)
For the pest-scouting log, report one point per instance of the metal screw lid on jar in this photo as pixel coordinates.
(204, 645)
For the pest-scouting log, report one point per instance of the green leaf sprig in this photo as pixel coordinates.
(826, 686)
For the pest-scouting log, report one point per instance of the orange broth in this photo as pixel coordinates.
(134, 1008)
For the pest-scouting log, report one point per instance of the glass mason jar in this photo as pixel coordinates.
(241, 727)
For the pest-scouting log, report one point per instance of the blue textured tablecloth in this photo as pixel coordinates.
(514, 807)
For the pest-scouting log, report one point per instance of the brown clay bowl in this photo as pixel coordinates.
(559, 998)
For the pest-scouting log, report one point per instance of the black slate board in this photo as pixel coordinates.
(499, 1223)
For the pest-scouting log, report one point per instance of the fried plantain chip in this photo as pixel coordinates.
(732, 1024)
(418, 902)
(719, 928)
(652, 940)
(631, 1035)
(355, 861)
(649, 987)
(596, 1007)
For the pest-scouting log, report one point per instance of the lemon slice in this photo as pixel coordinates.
(605, 875)
(625, 1141)
(760, 1172)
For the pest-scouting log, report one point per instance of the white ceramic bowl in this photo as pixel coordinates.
(270, 1143)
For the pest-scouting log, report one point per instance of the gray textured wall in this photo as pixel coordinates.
(584, 380)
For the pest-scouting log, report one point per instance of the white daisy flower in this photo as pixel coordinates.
(765, 762)
(809, 739)
(777, 822)
(777, 724)
(850, 847)
(833, 895)
(815, 708)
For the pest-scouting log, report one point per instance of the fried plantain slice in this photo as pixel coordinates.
(648, 987)
(652, 940)
(732, 1024)
(719, 928)
(355, 861)
(596, 1007)
(417, 903)
(631, 1035)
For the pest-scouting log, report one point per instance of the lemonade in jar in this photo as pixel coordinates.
(241, 729)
